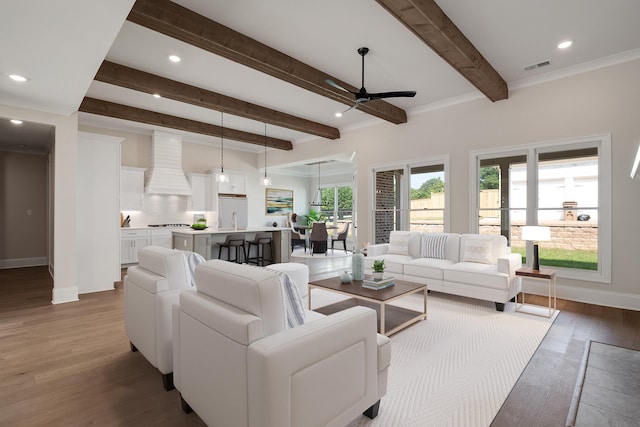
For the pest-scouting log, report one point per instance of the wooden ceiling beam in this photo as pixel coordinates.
(125, 112)
(427, 21)
(187, 26)
(142, 81)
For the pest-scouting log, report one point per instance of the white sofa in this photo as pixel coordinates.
(472, 265)
(150, 289)
(237, 363)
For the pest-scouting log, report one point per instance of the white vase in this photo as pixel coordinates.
(357, 265)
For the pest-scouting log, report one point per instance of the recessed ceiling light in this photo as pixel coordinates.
(16, 122)
(157, 95)
(565, 44)
(174, 58)
(18, 78)
(339, 114)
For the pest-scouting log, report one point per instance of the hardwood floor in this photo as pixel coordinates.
(70, 364)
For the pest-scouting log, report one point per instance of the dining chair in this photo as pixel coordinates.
(318, 238)
(341, 237)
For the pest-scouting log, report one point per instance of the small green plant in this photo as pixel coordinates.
(378, 265)
(314, 216)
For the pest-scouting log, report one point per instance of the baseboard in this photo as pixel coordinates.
(589, 296)
(23, 262)
(62, 295)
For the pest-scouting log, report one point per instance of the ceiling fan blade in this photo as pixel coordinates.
(398, 94)
(337, 86)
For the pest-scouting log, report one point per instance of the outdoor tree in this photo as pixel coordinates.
(489, 178)
(433, 185)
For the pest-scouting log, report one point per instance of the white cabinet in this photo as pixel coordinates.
(235, 185)
(130, 242)
(201, 192)
(162, 238)
(131, 189)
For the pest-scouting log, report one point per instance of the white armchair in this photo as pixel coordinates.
(150, 289)
(237, 364)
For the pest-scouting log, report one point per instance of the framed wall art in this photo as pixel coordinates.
(278, 201)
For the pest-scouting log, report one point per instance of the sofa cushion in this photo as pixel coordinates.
(477, 249)
(433, 245)
(399, 243)
(429, 268)
(476, 274)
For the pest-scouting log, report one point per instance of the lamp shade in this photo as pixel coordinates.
(536, 233)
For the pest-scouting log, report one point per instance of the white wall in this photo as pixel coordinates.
(606, 100)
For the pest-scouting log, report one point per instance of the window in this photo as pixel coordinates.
(410, 197)
(337, 204)
(563, 185)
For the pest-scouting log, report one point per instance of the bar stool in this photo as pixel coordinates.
(261, 241)
(233, 240)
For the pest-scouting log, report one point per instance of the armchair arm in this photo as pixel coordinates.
(376, 250)
(509, 264)
(321, 373)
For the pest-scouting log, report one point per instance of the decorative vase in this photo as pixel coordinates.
(357, 265)
(345, 277)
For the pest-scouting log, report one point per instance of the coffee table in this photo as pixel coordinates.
(391, 317)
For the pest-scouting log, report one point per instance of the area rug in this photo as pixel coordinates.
(457, 367)
(337, 253)
(607, 392)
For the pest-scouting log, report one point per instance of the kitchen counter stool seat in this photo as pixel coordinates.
(236, 241)
(261, 242)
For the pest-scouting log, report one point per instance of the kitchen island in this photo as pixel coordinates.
(204, 241)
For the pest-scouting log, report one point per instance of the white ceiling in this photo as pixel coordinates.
(60, 46)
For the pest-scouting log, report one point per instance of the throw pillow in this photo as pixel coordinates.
(433, 245)
(478, 249)
(399, 243)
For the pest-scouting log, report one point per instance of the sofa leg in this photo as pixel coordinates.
(372, 412)
(500, 306)
(185, 406)
(167, 381)
(133, 347)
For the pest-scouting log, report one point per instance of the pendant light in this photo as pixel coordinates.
(221, 176)
(317, 203)
(266, 180)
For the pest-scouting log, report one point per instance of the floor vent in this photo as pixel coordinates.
(538, 65)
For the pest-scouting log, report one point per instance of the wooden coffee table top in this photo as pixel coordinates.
(355, 288)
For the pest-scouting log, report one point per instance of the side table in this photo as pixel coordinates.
(546, 275)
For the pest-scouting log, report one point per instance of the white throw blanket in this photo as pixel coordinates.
(193, 259)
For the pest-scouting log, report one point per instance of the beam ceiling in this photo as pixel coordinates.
(187, 26)
(142, 81)
(427, 21)
(125, 112)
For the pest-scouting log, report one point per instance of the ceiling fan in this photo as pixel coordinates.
(362, 95)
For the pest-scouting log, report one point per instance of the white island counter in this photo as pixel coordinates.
(204, 241)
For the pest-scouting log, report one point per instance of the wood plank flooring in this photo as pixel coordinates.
(70, 364)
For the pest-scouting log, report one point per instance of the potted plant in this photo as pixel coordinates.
(378, 269)
(314, 216)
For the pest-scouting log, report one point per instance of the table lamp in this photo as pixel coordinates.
(536, 234)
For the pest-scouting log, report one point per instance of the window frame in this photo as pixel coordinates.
(603, 143)
(405, 196)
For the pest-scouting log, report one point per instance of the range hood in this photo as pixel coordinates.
(165, 175)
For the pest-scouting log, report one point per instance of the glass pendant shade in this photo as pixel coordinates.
(266, 180)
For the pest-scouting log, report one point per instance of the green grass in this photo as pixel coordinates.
(575, 258)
